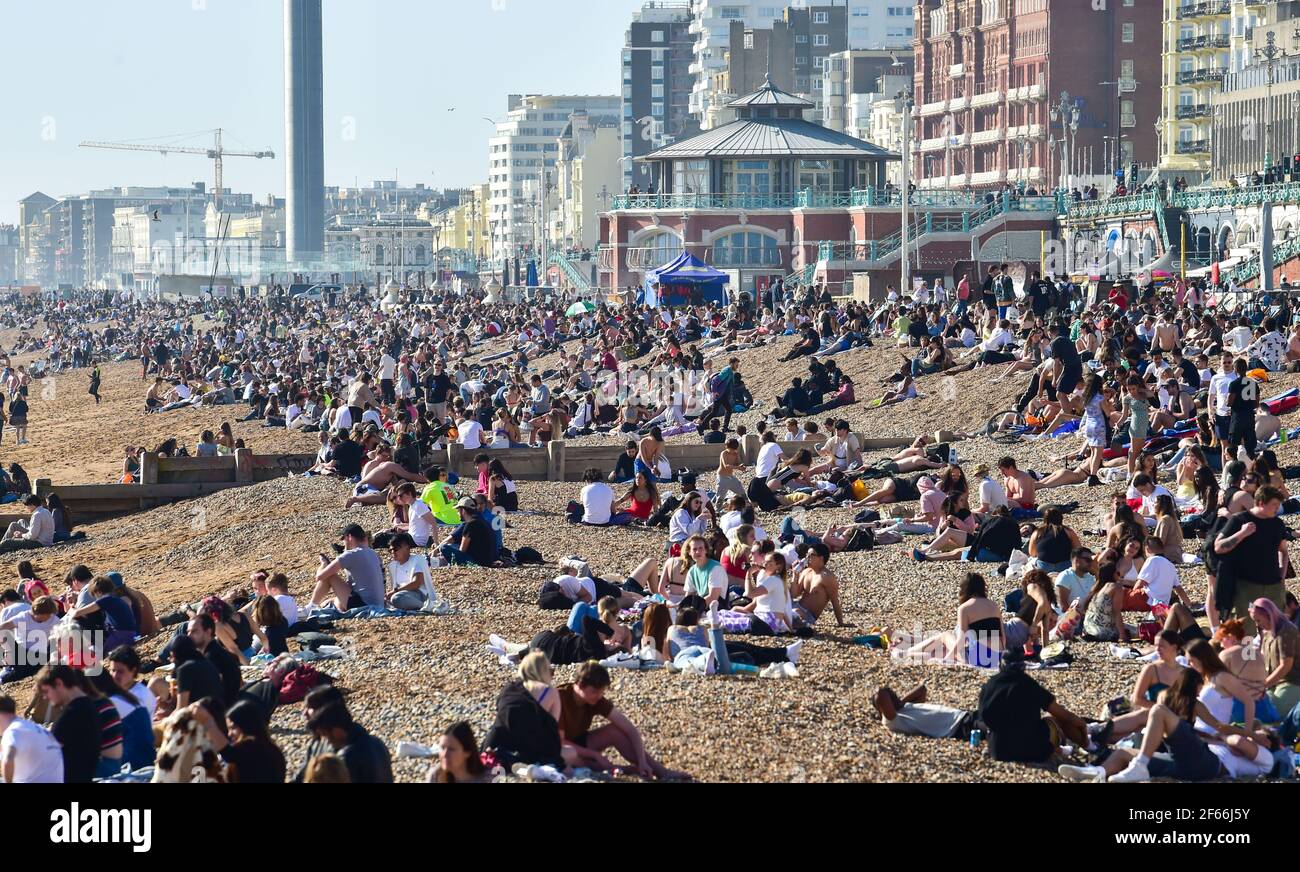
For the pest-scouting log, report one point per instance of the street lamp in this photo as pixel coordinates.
(1271, 53)
(1068, 114)
(903, 102)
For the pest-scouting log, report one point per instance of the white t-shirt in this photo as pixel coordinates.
(992, 494)
(403, 573)
(32, 633)
(145, 697)
(775, 600)
(370, 416)
(1220, 384)
(471, 434)
(420, 519)
(572, 586)
(386, 367)
(1149, 501)
(597, 498)
(8, 612)
(288, 607)
(768, 457)
(36, 754)
(1161, 578)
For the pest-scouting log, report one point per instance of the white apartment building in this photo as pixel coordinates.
(872, 24)
(886, 131)
(587, 178)
(525, 145)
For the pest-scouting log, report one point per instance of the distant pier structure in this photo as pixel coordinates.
(304, 131)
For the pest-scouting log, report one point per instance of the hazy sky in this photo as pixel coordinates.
(72, 70)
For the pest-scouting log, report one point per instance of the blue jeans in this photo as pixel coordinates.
(455, 556)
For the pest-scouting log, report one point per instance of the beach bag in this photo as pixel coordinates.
(861, 539)
(528, 556)
(298, 683)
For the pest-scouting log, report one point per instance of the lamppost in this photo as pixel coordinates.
(1022, 144)
(1067, 113)
(903, 103)
(1271, 53)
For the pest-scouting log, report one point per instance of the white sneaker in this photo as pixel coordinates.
(1095, 774)
(496, 641)
(1135, 771)
(790, 670)
(792, 651)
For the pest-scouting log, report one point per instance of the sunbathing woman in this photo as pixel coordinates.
(641, 500)
(977, 639)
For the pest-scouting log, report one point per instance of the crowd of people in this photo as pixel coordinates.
(1148, 390)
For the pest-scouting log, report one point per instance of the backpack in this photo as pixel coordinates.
(717, 385)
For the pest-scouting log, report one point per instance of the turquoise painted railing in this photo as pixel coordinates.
(806, 199)
(580, 281)
(1222, 198)
(1249, 269)
(1134, 204)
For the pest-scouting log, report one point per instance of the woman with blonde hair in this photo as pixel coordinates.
(737, 556)
(538, 676)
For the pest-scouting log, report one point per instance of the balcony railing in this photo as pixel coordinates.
(1196, 110)
(650, 258)
(1192, 146)
(1201, 43)
(807, 199)
(1204, 9)
(1200, 77)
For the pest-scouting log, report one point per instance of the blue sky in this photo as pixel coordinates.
(72, 70)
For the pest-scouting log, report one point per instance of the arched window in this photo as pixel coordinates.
(379, 255)
(746, 249)
(419, 254)
(655, 251)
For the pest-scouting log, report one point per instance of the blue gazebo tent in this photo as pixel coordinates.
(686, 278)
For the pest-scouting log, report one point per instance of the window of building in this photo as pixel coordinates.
(691, 176)
(749, 42)
(1126, 32)
(821, 18)
(746, 249)
(821, 39)
(747, 177)
(1126, 69)
(989, 11)
(656, 36)
(816, 175)
(801, 39)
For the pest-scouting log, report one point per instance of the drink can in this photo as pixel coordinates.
(976, 737)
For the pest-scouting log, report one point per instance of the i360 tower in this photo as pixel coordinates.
(304, 131)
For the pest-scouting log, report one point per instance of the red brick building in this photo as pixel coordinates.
(772, 195)
(989, 73)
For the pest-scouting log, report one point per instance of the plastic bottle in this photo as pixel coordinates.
(743, 669)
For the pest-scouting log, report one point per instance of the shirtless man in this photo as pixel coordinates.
(1166, 338)
(647, 454)
(816, 586)
(380, 472)
(1020, 486)
(728, 466)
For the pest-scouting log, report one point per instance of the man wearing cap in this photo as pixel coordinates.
(364, 583)
(472, 542)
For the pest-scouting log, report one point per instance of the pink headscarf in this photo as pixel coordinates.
(1276, 618)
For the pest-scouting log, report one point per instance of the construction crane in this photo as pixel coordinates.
(216, 154)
